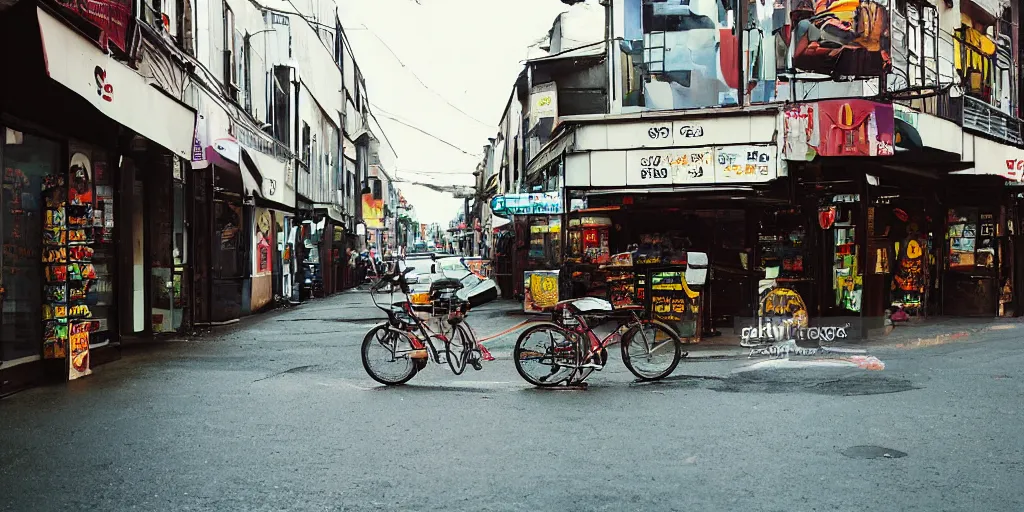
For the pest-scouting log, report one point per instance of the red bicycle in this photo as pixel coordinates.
(567, 349)
(394, 351)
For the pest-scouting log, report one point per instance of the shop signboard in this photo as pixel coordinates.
(745, 164)
(846, 127)
(685, 166)
(546, 203)
(112, 17)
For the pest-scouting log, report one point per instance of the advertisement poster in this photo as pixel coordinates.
(541, 290)
(674, 303)
(373, 212)
(79, 360)
(264, 241)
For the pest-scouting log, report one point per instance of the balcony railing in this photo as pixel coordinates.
(985, 119)
(270, 146)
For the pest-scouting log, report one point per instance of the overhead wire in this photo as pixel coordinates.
(418, 79)
(390, 117)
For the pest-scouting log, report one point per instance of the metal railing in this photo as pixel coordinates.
(988, 120)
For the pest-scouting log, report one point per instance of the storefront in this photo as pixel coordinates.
(536, 253)
(74, 229)
(644, 196)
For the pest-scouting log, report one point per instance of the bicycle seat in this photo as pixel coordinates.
(591, 305)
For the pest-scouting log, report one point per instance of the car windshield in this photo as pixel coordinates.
(420, 266)
(452, 265)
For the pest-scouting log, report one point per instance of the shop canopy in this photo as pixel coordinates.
(113, 88)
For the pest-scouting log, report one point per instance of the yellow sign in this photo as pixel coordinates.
(785, 302)
(541, 291)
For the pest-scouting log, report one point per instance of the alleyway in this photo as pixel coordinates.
(278, 414)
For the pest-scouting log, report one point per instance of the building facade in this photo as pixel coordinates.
(169, 165)
(848, 175)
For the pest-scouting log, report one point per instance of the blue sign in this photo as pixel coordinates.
(547, 203)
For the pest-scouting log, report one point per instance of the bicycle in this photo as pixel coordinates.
(407, 339)
(571, 350)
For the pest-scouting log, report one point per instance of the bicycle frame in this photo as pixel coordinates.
(419, 333)
(576, 322)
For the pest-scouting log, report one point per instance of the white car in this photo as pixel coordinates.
(475, 289)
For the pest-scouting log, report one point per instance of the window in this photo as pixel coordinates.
(282, 103)
(247, 75)
(307, 144)
(230, 68)
(377, 192)
(359, 88)
(339, 46)
(915, 45)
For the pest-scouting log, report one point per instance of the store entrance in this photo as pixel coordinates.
(973, 250)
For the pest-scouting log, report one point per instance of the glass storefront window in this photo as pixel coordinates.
(27, 159)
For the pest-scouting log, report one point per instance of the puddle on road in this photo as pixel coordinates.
(872, 452)
(779, 382)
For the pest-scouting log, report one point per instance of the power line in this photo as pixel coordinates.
(428, 134)
(425, 86)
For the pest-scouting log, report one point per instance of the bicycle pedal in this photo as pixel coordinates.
(477, 366)
(594, 366)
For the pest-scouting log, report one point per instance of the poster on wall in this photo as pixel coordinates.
(674, 303)
(746, 164)
(541, 290)
(264, 241)
(373, 212)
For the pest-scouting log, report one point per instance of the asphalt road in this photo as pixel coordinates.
(278, 414)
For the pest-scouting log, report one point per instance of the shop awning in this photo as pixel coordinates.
(259, 166)
(226, 155)
(115, 89)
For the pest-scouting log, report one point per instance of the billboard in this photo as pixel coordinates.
(686, 54)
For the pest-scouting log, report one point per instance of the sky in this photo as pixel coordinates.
(466, 53)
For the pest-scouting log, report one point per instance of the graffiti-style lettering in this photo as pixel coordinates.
(650, 161)
(691, 132)
(659, 132)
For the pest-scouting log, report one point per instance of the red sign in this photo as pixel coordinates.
(111, 16)
(1014, 166)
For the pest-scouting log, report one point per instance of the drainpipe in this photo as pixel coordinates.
(741, 25)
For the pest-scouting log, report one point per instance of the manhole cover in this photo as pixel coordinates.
(872, 452)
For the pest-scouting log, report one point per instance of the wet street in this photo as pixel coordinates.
(277, 413)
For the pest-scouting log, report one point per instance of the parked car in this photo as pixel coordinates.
(476, 290)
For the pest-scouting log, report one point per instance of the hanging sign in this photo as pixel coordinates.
(546, 203)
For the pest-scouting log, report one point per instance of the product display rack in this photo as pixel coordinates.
(68, 252)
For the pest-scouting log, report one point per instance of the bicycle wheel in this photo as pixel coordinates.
(460, 347)
(545, 355)
(386, 356)
(651, 350)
